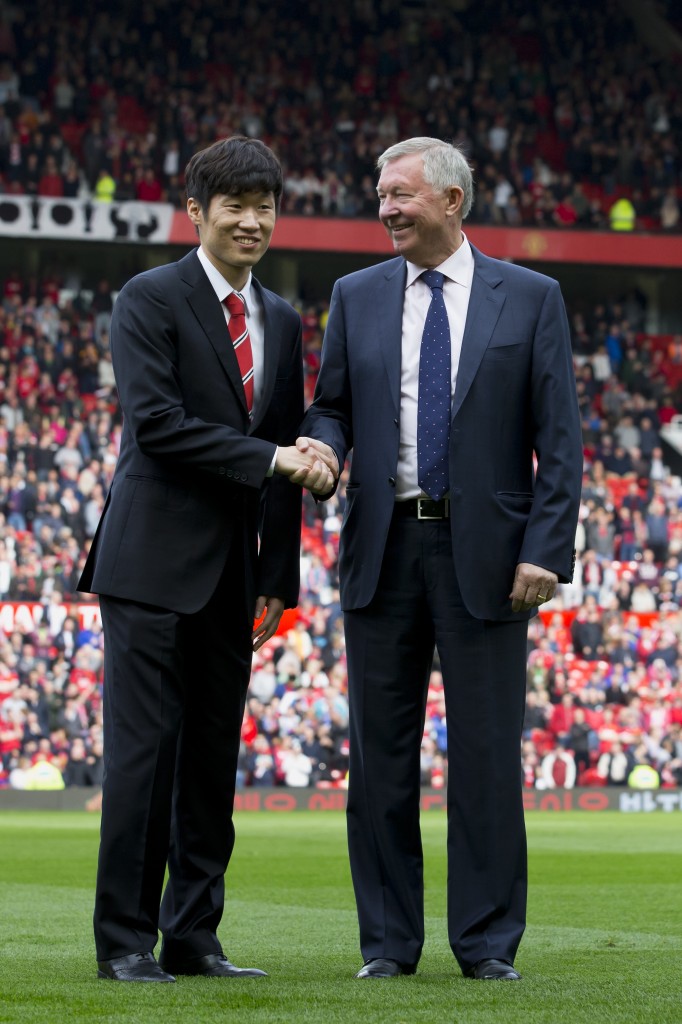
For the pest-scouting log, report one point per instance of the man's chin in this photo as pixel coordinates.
(248, 259)
(401, 246)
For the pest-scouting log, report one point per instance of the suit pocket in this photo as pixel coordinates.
(515, 502)
(506, 350)
(158, 493)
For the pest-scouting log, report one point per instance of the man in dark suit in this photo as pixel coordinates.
(201, 529)
(445, 372)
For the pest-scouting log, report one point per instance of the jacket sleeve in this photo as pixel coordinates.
(279, 556)
(329, 418)
(549, 537)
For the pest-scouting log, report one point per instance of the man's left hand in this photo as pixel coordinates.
(273, 608)
(533, 587)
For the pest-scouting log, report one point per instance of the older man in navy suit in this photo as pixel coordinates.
(201, 529)
(447, 374)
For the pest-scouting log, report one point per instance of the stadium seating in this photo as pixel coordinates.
(154, 86)
(59, 445)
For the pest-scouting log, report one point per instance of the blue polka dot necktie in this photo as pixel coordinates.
(433, 415)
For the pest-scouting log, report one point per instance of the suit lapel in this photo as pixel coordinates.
(206, 308)
(385, 322)
(485, 305)
(384, 318)
(272, 335)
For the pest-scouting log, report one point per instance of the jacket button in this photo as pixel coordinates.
(221, 470)
(229, 474)
(244, 477)
(391, 481)
(396, 422)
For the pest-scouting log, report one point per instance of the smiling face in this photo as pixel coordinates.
(423, 222)
(235, 231)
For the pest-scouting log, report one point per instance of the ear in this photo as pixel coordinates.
(194, 212)
(455, 198)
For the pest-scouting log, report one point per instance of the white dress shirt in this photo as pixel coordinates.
(254, 323)
(458, 270)
(254, 320)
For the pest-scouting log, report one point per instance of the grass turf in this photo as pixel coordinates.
(603, 943)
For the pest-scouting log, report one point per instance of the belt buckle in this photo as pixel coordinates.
(423, 514)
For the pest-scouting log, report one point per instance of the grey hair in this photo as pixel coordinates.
(444, 165)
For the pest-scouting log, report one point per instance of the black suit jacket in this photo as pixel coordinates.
(191, 477)
(515, 398)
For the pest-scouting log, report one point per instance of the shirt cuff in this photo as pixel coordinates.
(271, 471)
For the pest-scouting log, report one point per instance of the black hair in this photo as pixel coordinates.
(231, 167)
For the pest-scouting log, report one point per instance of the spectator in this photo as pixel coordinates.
(657, 525)
(105, 186)
(558, 768)
(622, 215)
(296, 766)
(615, 764)
(588, 633)
(148, 188)
(669, 211)
(580, 740)
(77, 770)
(51, 182)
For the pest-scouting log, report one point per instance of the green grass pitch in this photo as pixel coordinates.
(604, 941)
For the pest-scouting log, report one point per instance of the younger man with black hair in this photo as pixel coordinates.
(200, 531)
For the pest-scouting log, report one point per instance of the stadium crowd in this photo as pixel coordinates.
(571, 113)
(605, 657)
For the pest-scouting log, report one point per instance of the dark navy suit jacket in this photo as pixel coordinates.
(515, 396)
(191, 477)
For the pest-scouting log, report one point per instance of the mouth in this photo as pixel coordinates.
(398, 229)
(247, 241)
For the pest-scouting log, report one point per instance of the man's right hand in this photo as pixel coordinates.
(323, 451)
(308, 467)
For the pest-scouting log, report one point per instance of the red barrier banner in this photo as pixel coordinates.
(524, 245)
(26, 616)
(614, 798)
(285, 801)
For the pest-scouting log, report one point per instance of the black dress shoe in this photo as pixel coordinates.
(381, 967)
(212, 965)
(136, 967)
(494, 970)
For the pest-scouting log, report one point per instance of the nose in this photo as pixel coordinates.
(248, 218)
(387, 209)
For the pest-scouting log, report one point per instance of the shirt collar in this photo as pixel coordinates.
(220, 285)
(459, 267)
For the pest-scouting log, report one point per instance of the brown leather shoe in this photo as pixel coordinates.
(212, 965)
(136, 967)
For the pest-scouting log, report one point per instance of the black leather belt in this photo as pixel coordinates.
(423, 508)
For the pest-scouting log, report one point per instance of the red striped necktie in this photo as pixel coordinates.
(242, 343)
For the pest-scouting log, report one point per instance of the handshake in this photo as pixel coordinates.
(310, 463)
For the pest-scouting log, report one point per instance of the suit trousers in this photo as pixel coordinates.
(174, 694)
(390, 647)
